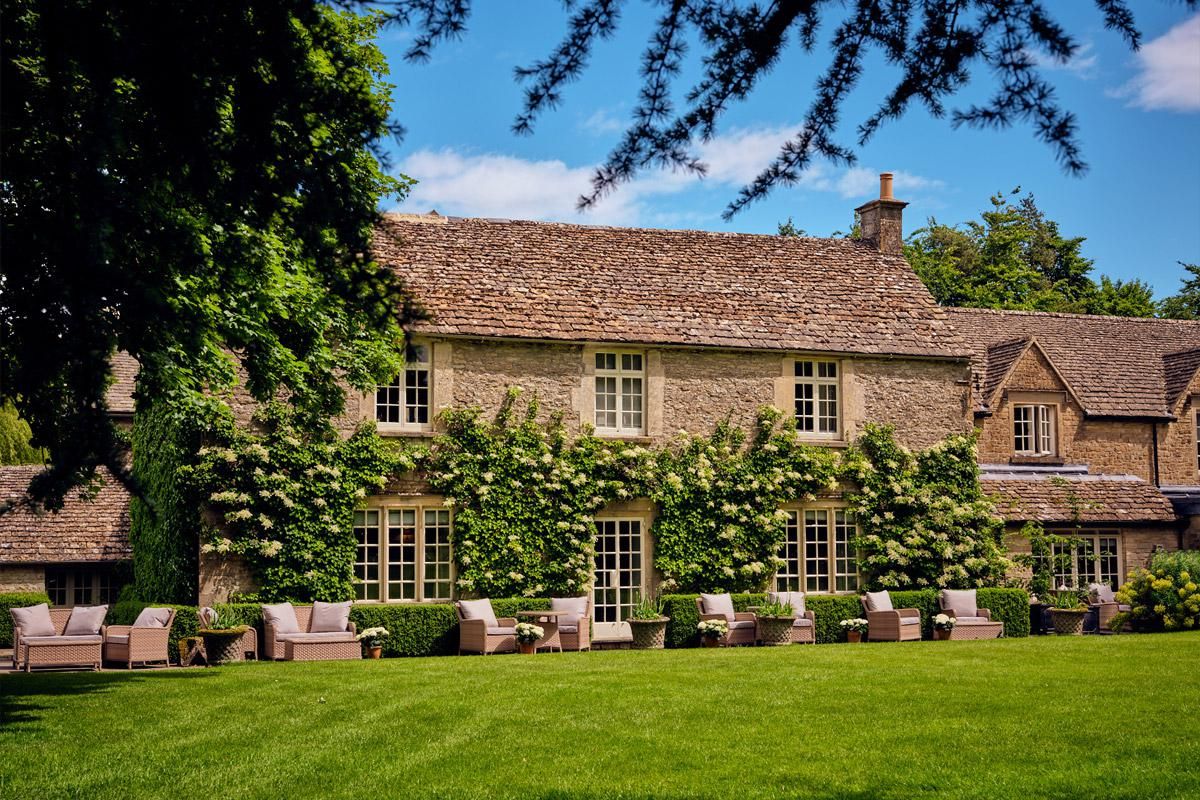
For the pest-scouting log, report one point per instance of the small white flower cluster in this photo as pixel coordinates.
(943, 622)
(527, 632)
(857, 624)
(713, 628)
(373, 634)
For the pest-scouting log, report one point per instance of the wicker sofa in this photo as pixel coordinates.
(888, 624)
(307, 643)
(804, 629)
(58, 650)
(743, 625)
(144, 642)
(479, 630)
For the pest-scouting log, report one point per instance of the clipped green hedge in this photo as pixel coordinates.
(16, 600)
(1010, 606)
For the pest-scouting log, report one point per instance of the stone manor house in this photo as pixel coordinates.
(1089, 424)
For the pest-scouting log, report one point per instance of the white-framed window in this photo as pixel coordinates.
(818, 552)
(404, 403)
(818, 408)
(80, 586)
(403, 554)
(1033, 429)
(620, 393)
(1096, 558)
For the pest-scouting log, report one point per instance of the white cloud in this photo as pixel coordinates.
(1168, 71)
(1084, 64)
(602, 122)
(462, 183)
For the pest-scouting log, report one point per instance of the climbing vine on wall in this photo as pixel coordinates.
(923, 518)
(285, 501)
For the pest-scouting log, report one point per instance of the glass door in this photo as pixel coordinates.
(618, 579)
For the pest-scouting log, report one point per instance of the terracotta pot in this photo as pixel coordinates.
(710, 641)
(648, 634)
(527, 649)
(854, 637)
(940, 635)
(374, 652)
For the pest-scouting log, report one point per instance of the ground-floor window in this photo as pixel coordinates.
(403, 554)
(818, 552)
(619, 575)
(1095, 558)
(80, 586)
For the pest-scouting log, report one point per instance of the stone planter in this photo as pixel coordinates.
(648, 634)
(775, 631)
(223, 646)
(1068, 622)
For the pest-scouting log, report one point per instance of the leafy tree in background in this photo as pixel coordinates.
(1186, 304)
(1015, 257)
(14, 439)
(185, 182)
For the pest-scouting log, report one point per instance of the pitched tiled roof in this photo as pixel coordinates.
(1001, 358)
(540, 280)
(1179, 369)
(120, 393)
(93, 530)
(1094, 498)
(1114, 365)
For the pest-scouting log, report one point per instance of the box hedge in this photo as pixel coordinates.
(16, 600)
(1010, 606)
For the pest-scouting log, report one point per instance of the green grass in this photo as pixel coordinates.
(1107, 717)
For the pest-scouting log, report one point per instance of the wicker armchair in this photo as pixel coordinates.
(887, 624)
(479, 631)
(581, 637)
(58, 650)
(743, 625)
(804, 629)
(306, 645)
(135, 644)
(1102, 598)
(960, 604)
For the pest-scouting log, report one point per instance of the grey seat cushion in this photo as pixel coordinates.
(971, 620)
(478, 609)
(960, 602)
(152, 618)
(1123, 607)
(329, 617)
(802, 622)
(910, 620)
(85, 620)
(310, 638)
(281, 617)
(496, 630)
(718, 604)
(34, 620)
(116, 639)
(878, 601)
(97, 639)
(794, 599)
(568, 628)
(738, 624)
(575, 608)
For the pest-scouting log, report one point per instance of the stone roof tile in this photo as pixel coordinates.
(1088, 499)
(84, 530)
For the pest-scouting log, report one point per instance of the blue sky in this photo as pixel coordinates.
(1139, 114)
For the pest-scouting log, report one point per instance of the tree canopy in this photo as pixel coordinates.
(1186, 304)
(195, 184)
(1015, 257)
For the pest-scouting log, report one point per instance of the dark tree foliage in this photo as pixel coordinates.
(933, 44)
(1186, 304)
(194, 183)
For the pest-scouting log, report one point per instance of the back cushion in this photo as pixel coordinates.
(718, 604)
(34, 620)
(794, 599)
(85, 620)
(282, 617)
(575, 607)
(878, 601)
(329, 617)
(479, 609)
(1103, 593)
(152, 618)
(961, 601)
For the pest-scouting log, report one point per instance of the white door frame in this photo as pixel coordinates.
(608, 610)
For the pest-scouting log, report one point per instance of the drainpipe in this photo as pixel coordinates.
(1154, 430)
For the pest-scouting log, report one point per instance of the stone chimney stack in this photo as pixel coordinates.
(882, 220)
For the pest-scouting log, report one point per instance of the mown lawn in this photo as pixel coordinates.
(1103, 717)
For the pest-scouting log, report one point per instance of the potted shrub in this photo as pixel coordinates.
(647, 623)
(712, 631)
(775, 621)
(855, 629)
(221, 645)
(942, 625)
(372, 641)
(1067, 612)
(528, 635)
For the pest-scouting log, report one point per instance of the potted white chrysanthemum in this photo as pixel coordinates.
(942, 625)
(712, 631)
(854, 628)
(372, 641)
(528, 635)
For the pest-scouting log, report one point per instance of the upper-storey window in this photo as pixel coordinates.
(404, 402)
(1033, 430)
(817, 404)
(620, 393)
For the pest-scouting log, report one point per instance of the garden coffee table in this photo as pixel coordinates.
(549, 621)
(977, 630)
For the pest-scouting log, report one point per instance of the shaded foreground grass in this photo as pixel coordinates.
(1030, 718)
